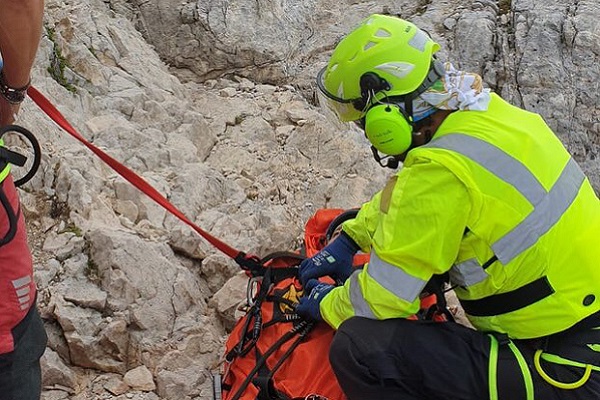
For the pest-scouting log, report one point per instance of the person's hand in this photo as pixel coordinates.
(335, 260)
(309, 306)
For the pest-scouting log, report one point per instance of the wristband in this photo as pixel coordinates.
(12, 95)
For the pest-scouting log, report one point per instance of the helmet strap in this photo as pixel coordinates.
(387, 161)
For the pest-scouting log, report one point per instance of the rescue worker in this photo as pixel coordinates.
(22, 335)
(488, 195)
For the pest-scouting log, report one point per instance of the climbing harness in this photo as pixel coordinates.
(15, 158)
(11, 160)
(498, 340)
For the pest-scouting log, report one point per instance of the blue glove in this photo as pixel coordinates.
(334, 260)
(309, 306)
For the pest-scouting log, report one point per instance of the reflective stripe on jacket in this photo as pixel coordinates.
(495, 199)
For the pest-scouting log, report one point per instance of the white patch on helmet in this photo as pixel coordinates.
(340, 91)
(398, 69)
(419, 41)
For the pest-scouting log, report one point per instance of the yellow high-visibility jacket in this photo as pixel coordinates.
(495, 200)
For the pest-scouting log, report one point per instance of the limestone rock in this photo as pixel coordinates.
(116, 386)
(140, 378)
(56, 372)
(229, 297)
(83, 293)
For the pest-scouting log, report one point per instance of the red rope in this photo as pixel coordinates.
(133, 178)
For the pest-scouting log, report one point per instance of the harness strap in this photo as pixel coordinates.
(493, 368)
(524, 370)
(264, 378)
(305, 330)
(12, 157)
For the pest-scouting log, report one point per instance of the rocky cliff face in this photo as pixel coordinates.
(212, 103)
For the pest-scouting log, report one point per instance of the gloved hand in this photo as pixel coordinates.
(334, 260)
(309, 306)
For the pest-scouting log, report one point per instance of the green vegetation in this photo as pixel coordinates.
(72, 228)
(58, 63)
(91, 271)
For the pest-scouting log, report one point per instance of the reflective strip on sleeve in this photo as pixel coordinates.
(468, 273)
(360, 305)
(544, 216)
(395, 279)
(495, 160)
(548, 206)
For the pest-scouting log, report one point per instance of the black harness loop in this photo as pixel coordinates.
(11, 157)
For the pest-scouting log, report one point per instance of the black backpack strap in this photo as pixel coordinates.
(436, 286)
(264, 378)
(264, 383)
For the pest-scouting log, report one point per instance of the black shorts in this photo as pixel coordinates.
(20, 375)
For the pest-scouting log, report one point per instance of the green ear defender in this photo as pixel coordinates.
(388, 128)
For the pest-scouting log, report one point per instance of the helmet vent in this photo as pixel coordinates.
(368, 45)
(382, 33)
